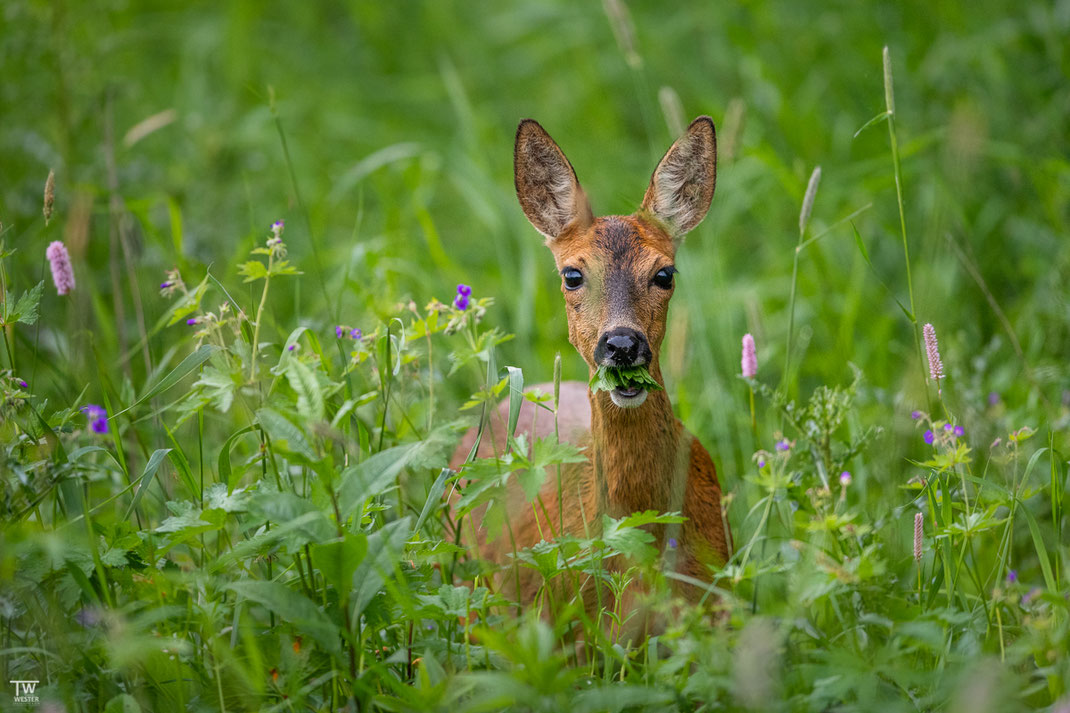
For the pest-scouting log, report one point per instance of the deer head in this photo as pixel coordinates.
(617, 272)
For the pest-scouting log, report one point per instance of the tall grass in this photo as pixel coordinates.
(264, 524)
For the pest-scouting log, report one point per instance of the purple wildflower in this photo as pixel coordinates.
(192, 321)
(165, 285)
(355, 334)
(23, 384)
(62, 272)
(749, 361)
(993, 398)
(915, 415)
(1012, 576)
(672, 543)
(761, 463)
(960, 431)
(845, 478)
(291, 347)
(1031, 595)
(936, 367)
(464, 290)
(783, 445)
(277, 227)
(339, 331)
(461, 302)
(930, 437)
(948, 427)
(98, 418)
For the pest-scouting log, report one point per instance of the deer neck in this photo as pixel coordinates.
(634, 452)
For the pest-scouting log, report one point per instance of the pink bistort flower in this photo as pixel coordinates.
(62, 272)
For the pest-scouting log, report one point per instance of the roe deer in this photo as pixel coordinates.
(617, 278)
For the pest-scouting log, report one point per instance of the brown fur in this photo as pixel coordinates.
(638, 458)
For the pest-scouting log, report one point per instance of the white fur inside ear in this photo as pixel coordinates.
(682, 186)
(546, 185)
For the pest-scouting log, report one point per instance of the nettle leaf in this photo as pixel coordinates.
(452, 601)
(304, 383)
(626, 536)
(189, 520)
(216, 496)
(608, 378)
(253, 270)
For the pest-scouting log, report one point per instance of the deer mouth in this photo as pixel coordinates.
(628, 397)
(627, 386)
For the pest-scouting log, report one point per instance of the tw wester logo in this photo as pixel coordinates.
(25, 691)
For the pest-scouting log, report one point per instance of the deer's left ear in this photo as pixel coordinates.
(681, 188)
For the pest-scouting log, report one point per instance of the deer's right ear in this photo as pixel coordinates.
(546, 184)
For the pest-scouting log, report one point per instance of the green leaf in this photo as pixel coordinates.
(434, 497)
(25, 310)
(872, 122)
(516, 396)
(225, 472)
(293, 514)
(283, 431)
(122, 703)
(187, 304)
(1042, 550)
(146, 478)
(372, 476)
(176, 375)
(338, 560)
(304, 383)
(861, 245)
(253, 270)
(292, 607)
(216, 496)
(608, 378)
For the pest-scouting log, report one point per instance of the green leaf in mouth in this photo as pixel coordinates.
(608, 378)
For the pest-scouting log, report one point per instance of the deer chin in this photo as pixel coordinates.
(628, 398)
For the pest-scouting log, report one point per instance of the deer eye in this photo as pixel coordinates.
(663, 278)
(573, 278)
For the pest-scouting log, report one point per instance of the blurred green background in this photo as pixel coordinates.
(399, 119)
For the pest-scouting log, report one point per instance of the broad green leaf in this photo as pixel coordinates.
(372, 476)
(338, 560)
(292, 607)
(285, 433)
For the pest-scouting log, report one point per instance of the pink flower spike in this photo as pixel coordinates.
(749, 362)
(936, 367)
(62, 272)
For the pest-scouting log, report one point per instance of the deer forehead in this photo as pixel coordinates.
(615, 243)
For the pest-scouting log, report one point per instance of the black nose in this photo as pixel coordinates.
(622, 347)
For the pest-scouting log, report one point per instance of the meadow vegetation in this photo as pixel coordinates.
(296, 273)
